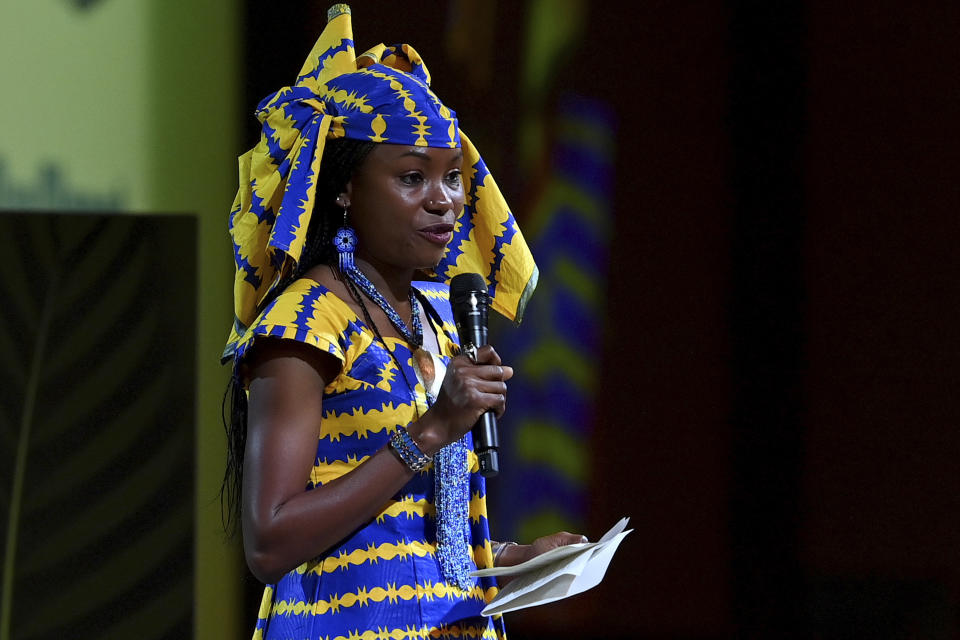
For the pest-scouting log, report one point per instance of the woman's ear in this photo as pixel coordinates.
(346, 195)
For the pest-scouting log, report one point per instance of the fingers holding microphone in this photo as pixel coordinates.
(469, 390)
(491, 376)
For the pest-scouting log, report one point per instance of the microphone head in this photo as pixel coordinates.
(469, 300)
(465, 283)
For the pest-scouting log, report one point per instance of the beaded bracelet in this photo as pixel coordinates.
(408, 450)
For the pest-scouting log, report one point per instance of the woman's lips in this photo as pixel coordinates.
(438, 233)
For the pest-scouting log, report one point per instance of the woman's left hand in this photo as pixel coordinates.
(517, 553)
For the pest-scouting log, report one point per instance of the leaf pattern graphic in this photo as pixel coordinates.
(96, 426)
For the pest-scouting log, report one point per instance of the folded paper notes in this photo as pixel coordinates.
(556, 574)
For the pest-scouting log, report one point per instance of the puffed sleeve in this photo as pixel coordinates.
(305, 312)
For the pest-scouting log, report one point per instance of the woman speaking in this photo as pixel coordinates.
(350, 464)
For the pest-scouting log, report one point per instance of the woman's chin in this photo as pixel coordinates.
(434, 261)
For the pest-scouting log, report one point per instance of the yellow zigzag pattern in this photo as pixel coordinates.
(423, 633)
(349, 98)
(392, 593)
(483, 555)
(407, 505)
(357, 420)
(344, 383)
(387, 374)
(477, 506)
(394, 84)
(323, 471)
(373, 553)
(436, 294)
(412, 633)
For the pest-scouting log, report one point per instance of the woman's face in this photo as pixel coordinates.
(403, 203)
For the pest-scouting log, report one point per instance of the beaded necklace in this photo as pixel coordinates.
(451, 475)
(414, 337)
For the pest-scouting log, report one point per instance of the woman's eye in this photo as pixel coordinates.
(411, 178)
(454, 177)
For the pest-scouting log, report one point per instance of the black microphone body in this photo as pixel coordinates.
(469, 299)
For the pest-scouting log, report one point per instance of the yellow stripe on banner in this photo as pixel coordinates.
(552, 356)
(544, 444)
(391, 593)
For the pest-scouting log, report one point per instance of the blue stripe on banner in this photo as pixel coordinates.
(557, 349)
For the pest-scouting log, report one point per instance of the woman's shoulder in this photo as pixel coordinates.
(305, 300)
(306, 311)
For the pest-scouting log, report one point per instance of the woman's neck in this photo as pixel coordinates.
(393, 284)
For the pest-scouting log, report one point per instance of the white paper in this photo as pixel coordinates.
(556, 574)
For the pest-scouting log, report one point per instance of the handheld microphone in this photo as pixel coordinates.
(469, 299)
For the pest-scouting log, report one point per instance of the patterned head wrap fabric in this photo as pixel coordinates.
(381, 96)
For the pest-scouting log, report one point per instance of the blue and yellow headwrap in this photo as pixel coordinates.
(382, 96)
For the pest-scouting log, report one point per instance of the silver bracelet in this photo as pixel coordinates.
(409, 452)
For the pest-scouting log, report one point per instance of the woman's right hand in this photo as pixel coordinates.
(469, 390)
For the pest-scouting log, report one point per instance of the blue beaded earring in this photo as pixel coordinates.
(345, 241)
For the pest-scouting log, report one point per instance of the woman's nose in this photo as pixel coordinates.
(439, 202)
(437, 206)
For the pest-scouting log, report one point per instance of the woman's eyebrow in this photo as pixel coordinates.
(423, 155)
(417, 153)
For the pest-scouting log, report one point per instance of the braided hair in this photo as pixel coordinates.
(341, 159)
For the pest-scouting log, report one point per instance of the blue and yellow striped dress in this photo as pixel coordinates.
(383, 582)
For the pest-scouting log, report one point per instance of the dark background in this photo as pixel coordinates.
(779, 379)
(97, 424)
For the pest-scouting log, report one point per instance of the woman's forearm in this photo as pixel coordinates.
(280, 538)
